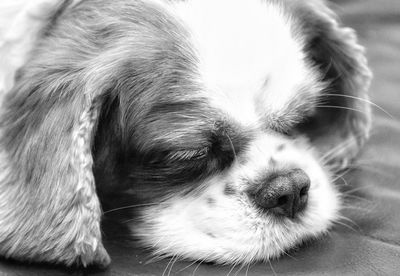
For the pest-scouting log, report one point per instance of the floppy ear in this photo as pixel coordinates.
(49, 210)
(20, 24)
(342, 122)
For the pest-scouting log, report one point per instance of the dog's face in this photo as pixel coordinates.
(210, 114)
(209, 157)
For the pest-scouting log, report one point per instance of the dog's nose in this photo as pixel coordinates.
(284, 194)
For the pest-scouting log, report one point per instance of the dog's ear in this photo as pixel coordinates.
(49, 210)
(21, 21)
(342, 120)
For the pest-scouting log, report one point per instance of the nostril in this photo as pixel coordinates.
(283, 200)
(304, 191)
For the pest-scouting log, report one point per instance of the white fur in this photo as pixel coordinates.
(250, 61)
(240, 232)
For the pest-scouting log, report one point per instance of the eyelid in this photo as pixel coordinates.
(182, 155)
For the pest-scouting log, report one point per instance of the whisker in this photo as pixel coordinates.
(128, 220)
(131, 206)
(284, 252)
(170, 269)
(340, 176)
(232, 146)
(240, 269)
(356, 226)
(342, 107)
(166, 268)
(358, 208)
(369, 163)
(273, 270)
(330, 154)
(233, 267)
(366, 200)
(153, 259)
(247, 269)
(327, 69)
(344, 180)
(349, 220)
(363, 100)
(346, 226)
(197, 267)
(186, 267)
(336, 148)
(361, 166)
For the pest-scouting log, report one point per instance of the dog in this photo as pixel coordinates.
(224, 120)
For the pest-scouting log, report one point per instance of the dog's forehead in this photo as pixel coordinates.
(251, 63)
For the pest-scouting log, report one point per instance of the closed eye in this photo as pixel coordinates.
(186, 155)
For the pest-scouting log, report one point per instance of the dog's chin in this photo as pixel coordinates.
(218, 222)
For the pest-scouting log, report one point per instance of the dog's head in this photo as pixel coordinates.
(219, 118)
